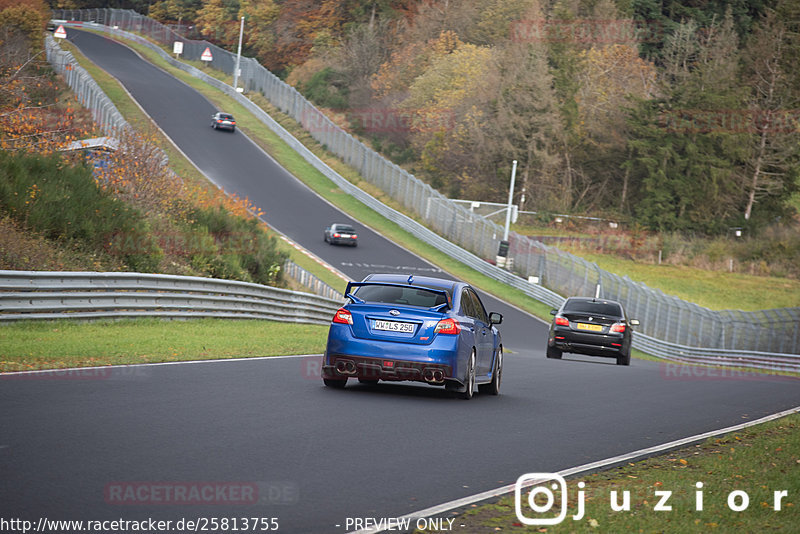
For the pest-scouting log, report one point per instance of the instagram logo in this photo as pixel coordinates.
(541, 498)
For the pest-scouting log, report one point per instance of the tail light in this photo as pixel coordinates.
(448, 326)
(337, 235)
(618, 327)
(562, 321)
(343, 317)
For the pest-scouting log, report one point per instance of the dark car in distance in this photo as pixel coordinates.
(591, 326)
(416, 328)
(223, 121)
(341, 234)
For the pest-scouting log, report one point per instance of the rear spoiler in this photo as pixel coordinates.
(440, 308)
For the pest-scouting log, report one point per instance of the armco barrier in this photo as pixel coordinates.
(93, 295)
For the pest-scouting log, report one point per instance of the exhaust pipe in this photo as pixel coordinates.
(433, 375)
(345, 367)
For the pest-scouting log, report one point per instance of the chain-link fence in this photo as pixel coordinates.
(663, 317)
(86, 90)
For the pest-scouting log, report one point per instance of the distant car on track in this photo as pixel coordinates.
(341, 234)
(395, 327)
(223, 121)
(595, 327)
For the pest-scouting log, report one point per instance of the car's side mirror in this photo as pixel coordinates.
(553, 311)
(634, 322)
(495, 318)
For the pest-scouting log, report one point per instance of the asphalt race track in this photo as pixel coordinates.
(272, 442)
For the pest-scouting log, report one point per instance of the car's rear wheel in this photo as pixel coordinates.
(469, 382)
(334, 383)
(493, 387)
(553, 353)
(625, 358)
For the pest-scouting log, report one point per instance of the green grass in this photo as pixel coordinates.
(759, 461)
(711, 289)
(61, 344)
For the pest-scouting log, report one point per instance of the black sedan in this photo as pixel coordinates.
(341, 234)
(594, 327)
(223, 121)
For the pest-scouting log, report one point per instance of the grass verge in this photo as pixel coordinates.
(29, 345)
(758, 462)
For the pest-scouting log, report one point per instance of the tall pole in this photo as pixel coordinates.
(238, 57)
(510, 200)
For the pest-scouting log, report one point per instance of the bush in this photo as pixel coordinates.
(244, 251)
(62, 202)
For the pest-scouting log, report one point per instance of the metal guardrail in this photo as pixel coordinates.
(680, 320)
(306, 279)
(93, 295)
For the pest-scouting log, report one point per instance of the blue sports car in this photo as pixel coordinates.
(396, 327)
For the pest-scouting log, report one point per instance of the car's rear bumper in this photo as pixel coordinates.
(347, 366)
(589, 344)
(435, 363)
(352, 242)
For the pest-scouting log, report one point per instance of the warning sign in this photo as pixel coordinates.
(60, 32)
(206, 56)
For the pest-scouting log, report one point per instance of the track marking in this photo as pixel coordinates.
(153, 364)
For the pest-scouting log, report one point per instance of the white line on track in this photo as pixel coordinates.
(153, 364)
(585, 469)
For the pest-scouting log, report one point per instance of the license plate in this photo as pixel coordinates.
(592, 327)
(345, 235)
(393, 326)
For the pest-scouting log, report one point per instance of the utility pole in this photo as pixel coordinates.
(238, 58)
(502, 252)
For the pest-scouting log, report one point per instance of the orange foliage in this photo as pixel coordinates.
(136, 173)
(38, 5)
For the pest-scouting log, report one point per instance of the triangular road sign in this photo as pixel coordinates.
(206, 56)
(60, 32)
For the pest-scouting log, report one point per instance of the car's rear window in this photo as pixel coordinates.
(406, 296)
(344, 229)
(595, 307)
(224, 116)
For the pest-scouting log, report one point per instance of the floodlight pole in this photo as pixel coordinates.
(238, 57)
